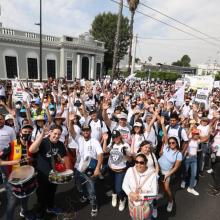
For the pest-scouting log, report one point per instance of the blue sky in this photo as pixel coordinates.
(73, 17)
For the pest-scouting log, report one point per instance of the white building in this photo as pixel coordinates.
(208, 69)
(65, 56)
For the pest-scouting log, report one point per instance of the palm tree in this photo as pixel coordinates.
(117, 37)
(133, 4)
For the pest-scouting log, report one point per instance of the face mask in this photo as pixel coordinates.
(18, 106)
(90, 96)
(200, 115)
(26, 137)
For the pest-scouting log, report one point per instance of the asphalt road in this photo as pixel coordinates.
(186, 206)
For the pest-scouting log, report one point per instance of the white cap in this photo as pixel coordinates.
(123, 115)
(137, 124)
(9, 116)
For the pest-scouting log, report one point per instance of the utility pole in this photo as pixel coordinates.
(40, 40)
(134, 55)
(117, 37)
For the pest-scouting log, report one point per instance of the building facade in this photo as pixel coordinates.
(64, 56)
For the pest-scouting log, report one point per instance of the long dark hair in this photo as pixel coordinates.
(176, 140)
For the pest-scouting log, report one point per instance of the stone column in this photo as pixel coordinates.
(78, 67)
(92, 67)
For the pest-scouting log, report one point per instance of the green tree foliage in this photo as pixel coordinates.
(217, 77)
(168, 76)
(185, 61)
(104, 28)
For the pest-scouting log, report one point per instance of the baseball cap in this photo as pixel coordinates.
(27, 126)
(86, 127)
(123, 115)
(8, 117)
(115, 133)
(137, 124)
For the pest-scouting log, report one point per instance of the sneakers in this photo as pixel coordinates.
(22, 214)
(183, 184)
(114, 200)
(170, 207)
(209, 171)
(55, 211)
(122, 205)
(3, 189)
(154, 213)
(82, 199)
(94, 211)
(192, 191)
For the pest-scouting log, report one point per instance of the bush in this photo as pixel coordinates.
(168, 76)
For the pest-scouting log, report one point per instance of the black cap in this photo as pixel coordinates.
(86, 127)
(115, 133)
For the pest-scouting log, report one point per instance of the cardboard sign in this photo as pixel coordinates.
(17, 91)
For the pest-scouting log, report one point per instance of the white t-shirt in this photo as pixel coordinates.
(151, 161)
(204, 130)
(116, 159)
(186, 110)
(151, 136)
(36, 133)
(98, 129)
(64, 133)
(137, 139)
(85, 149)
(173, 132)
(7, 135)
(125, 131)
(193, 147)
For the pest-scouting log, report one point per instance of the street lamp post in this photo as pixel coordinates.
(40, 40)
(40, 25)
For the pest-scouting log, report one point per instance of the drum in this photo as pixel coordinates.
(61, 177)
(23, 181)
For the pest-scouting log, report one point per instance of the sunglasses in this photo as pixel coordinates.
(139, 162)
(173, 142)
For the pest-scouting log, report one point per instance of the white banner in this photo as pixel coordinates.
(202, 95)
(178, 97)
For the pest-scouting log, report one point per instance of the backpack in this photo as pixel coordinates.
(179, 133)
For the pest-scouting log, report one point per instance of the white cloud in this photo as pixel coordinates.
(73, 17)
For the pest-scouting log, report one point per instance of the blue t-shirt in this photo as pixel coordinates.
(168, 159)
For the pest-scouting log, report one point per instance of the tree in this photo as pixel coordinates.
(185, 61)
(104, 28)
(133, 4)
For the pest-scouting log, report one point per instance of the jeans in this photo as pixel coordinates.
(118, 178)
(86, 186)
(204, 157)
(11, 203)
(191, 162)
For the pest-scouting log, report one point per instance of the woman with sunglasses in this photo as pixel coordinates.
(169, 162)
(140, 185)
(118, 158)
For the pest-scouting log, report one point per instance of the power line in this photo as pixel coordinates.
(174, 27)
(180, 22)
(171, 39)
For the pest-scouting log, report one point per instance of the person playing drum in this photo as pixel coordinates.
(17, 155)
(50, 154)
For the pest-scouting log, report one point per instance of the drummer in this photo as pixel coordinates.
(49, 151)
(17, 153)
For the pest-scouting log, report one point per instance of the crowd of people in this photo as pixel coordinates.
(131, 132)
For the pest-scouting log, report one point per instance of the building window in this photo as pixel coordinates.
(32, 68)
(51, 68)
(69, 70)
(11, 67)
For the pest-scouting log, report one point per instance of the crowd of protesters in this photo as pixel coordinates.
(131, 132)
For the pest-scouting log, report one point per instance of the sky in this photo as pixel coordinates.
(163, 43)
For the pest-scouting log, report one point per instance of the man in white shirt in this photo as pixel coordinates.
(98, 126)
(7, 134)
(88, 164)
